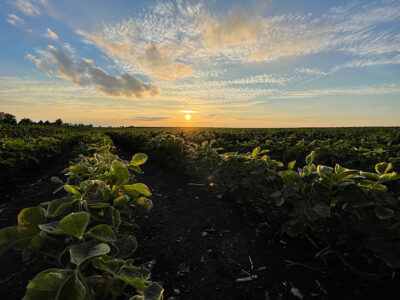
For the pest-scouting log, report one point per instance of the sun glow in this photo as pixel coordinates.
(188, 117)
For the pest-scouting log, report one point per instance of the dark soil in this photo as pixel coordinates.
(27, 190)
(201, 247)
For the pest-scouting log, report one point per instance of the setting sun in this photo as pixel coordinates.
(188, 117)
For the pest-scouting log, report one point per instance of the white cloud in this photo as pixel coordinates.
(51, 35)
(30, 7)
(59, 63)
(15, 20)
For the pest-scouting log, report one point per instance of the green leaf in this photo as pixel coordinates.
(135, 169)
(126, 245)
(72, 190)
(133, 189)
(29, 219)
(47, 285)
(106, 263)
(153, 292)
(291, 165)
(52, 228)
(82, 252)
(119, 173)
(79, 169)
(73, 288)
(383, 167)
(144, 203)
(139, 159)
(121, 201)
(75, 223)
(137, 283)
(310, 158)
(255, 152)
(389, 177)
(55, 179)
(289, 176)
(383, 213)
(58, 206)
(102, 232)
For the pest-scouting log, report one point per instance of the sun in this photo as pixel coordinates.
(188, 117)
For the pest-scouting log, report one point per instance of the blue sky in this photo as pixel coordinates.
(230, 63)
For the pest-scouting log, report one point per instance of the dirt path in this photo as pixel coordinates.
(200, 244)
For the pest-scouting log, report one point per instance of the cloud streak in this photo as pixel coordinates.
(59, 63)
(30, 7)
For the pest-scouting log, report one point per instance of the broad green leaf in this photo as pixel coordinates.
(137, 283)
(82, 252)
(255, 152)
(73, 288)
(47, 285)
(12, 235)
(8, 234)
(52, 228)
(139, 159)
(135, 169)
(102, 232)
(121, 201)
(78, 169)
(144, 203)
(291, 165)
(383, 213)
(126, 245)
(119, 173)
(135, 188)
(153, 292)
(289, 176)
(310, 158)
(29, 219)
(117, 217)
(58, 206)
(75, 223)
(72, 190)
(106, 263)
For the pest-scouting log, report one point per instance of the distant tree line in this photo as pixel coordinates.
(6, 118)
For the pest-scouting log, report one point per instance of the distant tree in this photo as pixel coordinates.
(47, 122)
(6, 118)
(40, 122)
(58, 122)
(26, 121)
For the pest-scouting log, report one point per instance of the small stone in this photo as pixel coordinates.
(176, 291)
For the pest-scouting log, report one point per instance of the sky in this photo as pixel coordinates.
(226, 63)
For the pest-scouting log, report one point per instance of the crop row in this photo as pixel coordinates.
(87, 234)
(335, 207)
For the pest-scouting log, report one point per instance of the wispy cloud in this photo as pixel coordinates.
(51, 35)
(235, 29)
(31, 7)
(149, 119)
(15, 20)
(59, 63)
